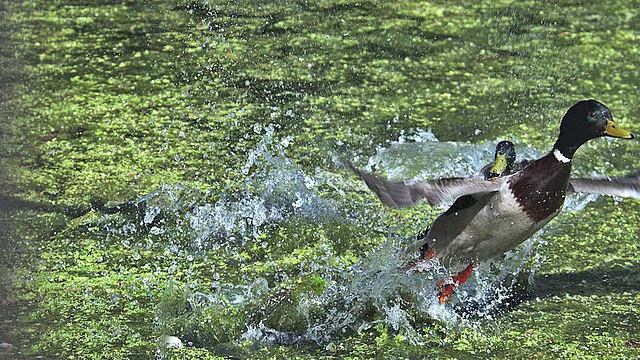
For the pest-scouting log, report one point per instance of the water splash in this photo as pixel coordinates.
(284, 307)
(426, 158)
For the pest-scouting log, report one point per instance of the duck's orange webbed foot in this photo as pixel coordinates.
(444, 293)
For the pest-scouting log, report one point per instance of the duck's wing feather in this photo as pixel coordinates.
(623, 187)
(435, 192)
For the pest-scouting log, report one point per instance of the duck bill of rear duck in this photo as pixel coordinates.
(499, 166)
(614, 130)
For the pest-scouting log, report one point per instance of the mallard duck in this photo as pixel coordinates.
(496, 215)
(504, 161)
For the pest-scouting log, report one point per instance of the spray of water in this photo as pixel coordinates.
(350, 297)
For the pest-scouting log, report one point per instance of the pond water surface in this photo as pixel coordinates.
(172, 178)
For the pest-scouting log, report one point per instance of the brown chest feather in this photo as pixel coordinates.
(540, 188)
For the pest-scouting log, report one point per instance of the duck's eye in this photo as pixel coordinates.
(592, 114)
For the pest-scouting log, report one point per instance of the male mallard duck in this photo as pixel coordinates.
(500, 213)
(504, 161)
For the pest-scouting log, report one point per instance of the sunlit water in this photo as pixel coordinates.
(357, 297)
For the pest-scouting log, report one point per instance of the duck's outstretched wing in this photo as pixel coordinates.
(623, 187)
(435, 192)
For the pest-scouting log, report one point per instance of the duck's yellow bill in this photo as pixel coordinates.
(616, 131)
(499, 166)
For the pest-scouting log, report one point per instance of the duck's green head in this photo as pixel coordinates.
(503, 160)
(584, 121)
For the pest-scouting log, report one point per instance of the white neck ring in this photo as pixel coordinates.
(560, 157)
